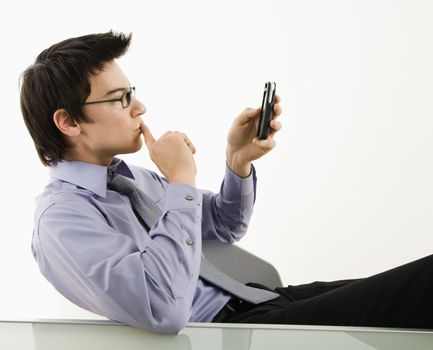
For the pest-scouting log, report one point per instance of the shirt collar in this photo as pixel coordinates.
(92, 177)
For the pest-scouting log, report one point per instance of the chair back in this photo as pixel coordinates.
(240, 264)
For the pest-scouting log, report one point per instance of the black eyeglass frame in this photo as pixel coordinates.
(122, 98)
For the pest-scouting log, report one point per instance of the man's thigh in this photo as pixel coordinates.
(250, 313)
(309, 290)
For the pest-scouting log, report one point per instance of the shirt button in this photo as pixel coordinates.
(189, 241)
(189, 197)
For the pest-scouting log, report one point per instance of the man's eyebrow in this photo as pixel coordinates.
(123, 89)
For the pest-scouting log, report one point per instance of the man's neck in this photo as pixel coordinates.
(93, 159)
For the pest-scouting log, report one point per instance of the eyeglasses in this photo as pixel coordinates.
(125, 99)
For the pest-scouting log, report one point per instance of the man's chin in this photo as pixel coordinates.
(134, 148)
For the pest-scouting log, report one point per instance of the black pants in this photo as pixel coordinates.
(401, 297)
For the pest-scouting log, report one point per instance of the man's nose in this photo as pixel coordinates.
(138, 107)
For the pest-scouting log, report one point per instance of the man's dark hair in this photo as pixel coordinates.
(60, 78)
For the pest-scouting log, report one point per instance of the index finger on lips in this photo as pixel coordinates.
(148, 137)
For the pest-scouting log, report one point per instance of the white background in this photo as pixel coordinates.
(348, 191)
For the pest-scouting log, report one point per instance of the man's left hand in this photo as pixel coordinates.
(243, 146)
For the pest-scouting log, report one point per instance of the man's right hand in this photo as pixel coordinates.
(172, 153)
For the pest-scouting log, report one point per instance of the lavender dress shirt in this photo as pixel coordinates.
(92, 248)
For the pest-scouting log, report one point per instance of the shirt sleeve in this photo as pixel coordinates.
(226, 214)
(103, 270)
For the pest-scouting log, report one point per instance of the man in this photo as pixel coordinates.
(125, 242)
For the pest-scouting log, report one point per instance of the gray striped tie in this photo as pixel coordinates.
(149, 212)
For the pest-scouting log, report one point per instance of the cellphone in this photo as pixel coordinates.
(267, 110)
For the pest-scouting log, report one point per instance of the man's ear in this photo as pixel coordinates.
(65, 123)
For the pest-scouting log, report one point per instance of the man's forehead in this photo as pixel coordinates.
(109, 78)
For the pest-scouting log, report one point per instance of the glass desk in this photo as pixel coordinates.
(106, 335)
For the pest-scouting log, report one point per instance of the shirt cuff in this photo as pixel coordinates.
(182, 196)
(242, 185)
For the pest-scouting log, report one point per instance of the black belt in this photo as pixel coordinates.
(233, 305)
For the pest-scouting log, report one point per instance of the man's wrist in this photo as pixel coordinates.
(241, 169)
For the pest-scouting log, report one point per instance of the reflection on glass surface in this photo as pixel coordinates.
(44, 335)
(91, 337)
